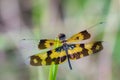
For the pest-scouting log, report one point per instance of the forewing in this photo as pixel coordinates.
(55, 56)
(48, 43)
(83, 35)
(77, 51)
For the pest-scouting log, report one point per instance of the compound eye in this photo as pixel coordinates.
(62, 36)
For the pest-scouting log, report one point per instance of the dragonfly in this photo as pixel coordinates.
(66, 51)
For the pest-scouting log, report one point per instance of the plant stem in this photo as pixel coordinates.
(53, 68)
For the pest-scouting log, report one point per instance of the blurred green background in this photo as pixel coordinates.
(37, 19)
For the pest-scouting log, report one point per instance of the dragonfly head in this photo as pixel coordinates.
(61, 37)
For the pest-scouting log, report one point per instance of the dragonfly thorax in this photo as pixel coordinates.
(62, 37)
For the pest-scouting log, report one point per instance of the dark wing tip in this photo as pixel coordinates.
(41, 44)
(98, 46)
(38, 61)
(86, 34)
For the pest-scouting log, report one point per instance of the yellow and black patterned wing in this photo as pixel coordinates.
(77, 51)
(83, 35)
(55, 56)
(47, 43)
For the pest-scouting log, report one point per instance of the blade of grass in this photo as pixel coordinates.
(53, 68)
(53, 72)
